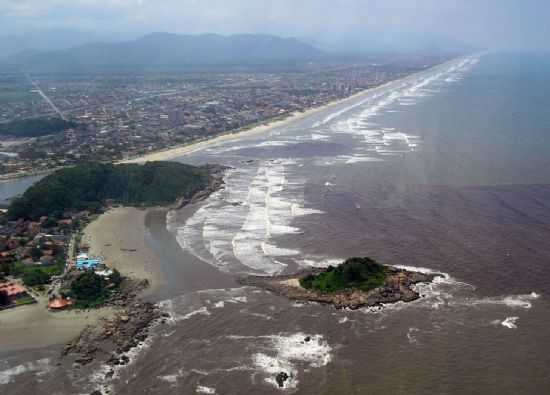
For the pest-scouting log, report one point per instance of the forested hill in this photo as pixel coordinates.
(89, 185)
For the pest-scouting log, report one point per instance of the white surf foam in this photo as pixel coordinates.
(39, 367)
(403, 92)
(510, 322)
(201, 389)
(411, 337)
(343, 320)
(285, 353)
(313, 261)
(98, 378)
(201, 311)
(172, 378)
(514, 301)
(236, 228)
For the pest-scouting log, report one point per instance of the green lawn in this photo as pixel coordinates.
(24, 300)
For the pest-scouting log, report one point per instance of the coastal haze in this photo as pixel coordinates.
(430, 160)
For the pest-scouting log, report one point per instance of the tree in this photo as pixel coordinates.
(34, 277)
(361, 273)
(115, 278)
(87, 186)
(50, 223)
(35, 253)
(88, 287)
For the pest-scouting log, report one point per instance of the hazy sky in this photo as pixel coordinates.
(490, 23)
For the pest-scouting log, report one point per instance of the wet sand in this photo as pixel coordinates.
(119, 237)
(34, 326)
(182, 271)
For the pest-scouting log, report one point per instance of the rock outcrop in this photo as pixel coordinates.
(398, 286)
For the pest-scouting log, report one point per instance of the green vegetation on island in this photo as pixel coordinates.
(355, 273)
(89, 185)
(35, 127)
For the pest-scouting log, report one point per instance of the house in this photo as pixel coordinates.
(13, 290)
(65, 222)
(7, 256)
(84, 262)
(59, 303)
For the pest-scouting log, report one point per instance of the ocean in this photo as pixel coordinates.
(444, 171)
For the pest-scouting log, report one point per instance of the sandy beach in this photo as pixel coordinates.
(34, 326)
(175, 152)
(119, 237)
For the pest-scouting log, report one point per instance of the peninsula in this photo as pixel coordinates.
(52, 255)
(41, 232)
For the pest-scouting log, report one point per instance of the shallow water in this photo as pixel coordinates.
(444, 170)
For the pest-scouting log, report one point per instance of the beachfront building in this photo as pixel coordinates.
(85, 262)
(13, 291)
(59, 303)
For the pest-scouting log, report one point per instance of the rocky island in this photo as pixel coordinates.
(356, 283)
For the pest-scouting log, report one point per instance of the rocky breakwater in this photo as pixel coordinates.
(112, 340)
(394, 285)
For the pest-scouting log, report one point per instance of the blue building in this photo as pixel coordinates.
(84, 262)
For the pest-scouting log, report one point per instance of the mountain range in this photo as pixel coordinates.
(170, 51)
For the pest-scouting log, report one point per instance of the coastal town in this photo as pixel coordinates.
(118, 117)
(42, 258)
(115, 118)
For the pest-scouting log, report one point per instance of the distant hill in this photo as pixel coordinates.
(172, 51)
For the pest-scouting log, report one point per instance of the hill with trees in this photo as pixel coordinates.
(87, 186)
(355, 273)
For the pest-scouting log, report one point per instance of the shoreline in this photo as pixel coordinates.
(173, 152)
(186, 149)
